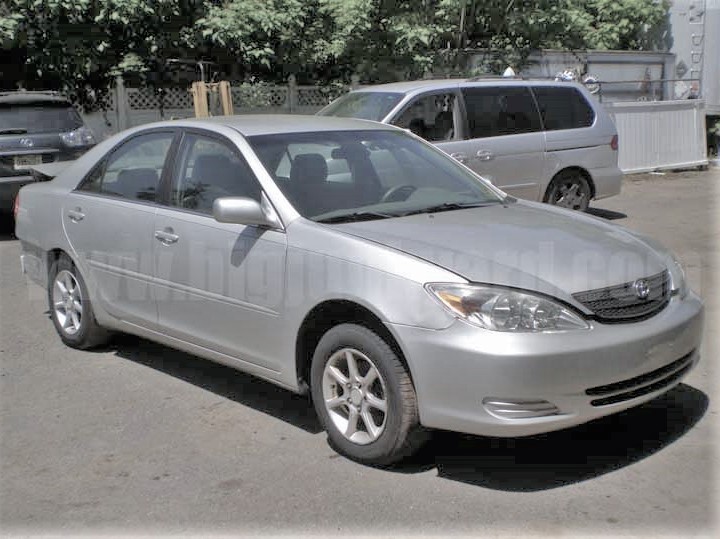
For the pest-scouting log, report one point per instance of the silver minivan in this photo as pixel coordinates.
(538, 140)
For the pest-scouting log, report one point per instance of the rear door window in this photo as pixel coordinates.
(133, 171)
(499, 111)
(563, 108)
(39, 117)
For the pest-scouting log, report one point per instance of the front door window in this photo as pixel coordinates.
(432, 117)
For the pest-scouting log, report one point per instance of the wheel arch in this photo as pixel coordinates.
(583, 171)
(327, 315)
(53, 255)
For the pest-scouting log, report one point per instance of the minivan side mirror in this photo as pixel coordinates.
(242, 211)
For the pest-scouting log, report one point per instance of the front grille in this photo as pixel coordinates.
(641, 385)
(620, 303)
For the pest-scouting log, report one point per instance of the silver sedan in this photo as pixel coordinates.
(352, 261)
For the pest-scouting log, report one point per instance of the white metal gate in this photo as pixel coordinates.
(656, 135)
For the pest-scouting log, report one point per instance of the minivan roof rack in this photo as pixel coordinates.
(30, 92)
(494, 77)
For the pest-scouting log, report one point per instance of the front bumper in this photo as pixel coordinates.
(461, 373)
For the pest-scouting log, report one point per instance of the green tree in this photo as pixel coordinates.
(81, 44)
(78, 45)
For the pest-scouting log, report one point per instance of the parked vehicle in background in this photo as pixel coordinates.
(355, 261)
(539, 140)
(36, 128)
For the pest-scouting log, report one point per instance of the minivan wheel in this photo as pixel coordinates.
(569, 189)
(364, 396)
(70, 307)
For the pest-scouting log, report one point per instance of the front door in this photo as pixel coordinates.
(504, 140)
(220, 286)
(109, 222)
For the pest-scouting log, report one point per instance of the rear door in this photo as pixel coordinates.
(503, 138)
(574, 134)
(109, 222)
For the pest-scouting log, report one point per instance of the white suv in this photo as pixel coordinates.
(538, 140)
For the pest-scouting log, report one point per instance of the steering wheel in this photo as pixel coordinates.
(395, 194)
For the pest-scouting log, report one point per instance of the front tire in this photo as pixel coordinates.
(364, 396)
(70, 307)
(569, 189)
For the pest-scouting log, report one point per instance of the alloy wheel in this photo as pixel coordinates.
(67, 302)
(354, 395)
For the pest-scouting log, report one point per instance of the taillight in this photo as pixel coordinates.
(16, 206)
(614, 142)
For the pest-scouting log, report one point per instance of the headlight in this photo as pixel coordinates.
(677, 274)
(82, 136)
(503, 309)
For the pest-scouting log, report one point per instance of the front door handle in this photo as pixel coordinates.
(167, 236)
(76, 215)
(485, 155)
(459, 156)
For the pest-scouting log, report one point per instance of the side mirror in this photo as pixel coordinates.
(243, 211)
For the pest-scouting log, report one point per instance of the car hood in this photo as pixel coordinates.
(522, 244)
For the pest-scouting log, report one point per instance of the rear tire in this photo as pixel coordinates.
(569, 189)
(70, 307)
(364, 397)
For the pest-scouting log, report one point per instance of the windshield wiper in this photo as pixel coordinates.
(13, 131)
(449, 206)
(356, 216)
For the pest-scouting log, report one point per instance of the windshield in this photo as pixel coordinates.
(38, 117)
(336, 176)
(365, 105)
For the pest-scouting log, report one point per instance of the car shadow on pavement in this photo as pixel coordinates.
(221, 380)
(528, 464)
(610, 215)
(564, 457)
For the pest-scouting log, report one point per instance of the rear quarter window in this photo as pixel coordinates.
(563, 108)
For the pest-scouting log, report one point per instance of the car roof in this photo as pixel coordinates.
(267, 124)
(407, 87)
(23, 98)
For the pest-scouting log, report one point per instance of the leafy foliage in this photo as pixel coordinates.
(78, 45)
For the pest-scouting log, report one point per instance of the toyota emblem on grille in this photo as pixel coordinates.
(27, 142)
(642, 288)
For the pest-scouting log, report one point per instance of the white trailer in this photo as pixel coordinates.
(693, 35)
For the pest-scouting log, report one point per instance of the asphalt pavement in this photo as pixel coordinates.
(137, 438)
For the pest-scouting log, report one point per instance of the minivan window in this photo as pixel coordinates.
(365, 105)
(498, 111)
(430, 117)
(39, 117)
(563, 108)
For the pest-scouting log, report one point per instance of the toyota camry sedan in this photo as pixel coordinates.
(357, 263)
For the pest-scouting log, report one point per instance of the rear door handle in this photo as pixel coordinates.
(76, 215)
(485, 155)
(167, 236)
(459, 156)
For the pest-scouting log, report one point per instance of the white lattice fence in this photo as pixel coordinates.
(260, 96)
(127, 107)
(150, 98)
